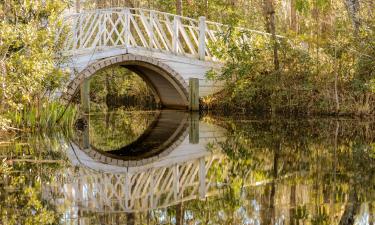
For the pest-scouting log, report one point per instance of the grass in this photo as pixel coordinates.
(46, 116)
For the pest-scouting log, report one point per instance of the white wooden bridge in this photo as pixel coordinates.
(166, 50)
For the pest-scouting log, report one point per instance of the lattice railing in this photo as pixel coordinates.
(139, 28)
(139, 191)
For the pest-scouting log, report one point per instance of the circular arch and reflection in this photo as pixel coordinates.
(162, 136)
(169, 87)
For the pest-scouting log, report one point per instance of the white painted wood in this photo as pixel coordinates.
(127, 27)
(202, 38)
(202, 178)
(150, 29)
(175, 34)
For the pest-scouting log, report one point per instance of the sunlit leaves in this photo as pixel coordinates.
(29, 52)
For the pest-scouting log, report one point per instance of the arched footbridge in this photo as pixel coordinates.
(171, 53)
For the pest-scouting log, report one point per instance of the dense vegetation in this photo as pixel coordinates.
(116, 86)
(29, 65)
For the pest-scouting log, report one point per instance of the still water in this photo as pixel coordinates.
(172, 167)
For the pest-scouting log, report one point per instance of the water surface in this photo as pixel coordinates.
(172, 167)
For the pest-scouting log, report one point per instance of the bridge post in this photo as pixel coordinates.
(127, 27)
(194, 128)
(193, 94)
(202, 178)
(85, 96)
(151, 29)
(176, 22)
(202, 38)
(86, 133)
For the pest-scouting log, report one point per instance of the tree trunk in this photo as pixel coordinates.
(353, 9)
(179, 7)
(206, 8)
(269, 13)
(78, 6)
(336, 90)
(292, 209)
(351, 208)
(3, 74)
(293, 16)
(276, 153)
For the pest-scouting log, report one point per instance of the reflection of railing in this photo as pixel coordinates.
(138, 191)
(141, 28)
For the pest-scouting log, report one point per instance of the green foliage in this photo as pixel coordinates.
(305, 82)
(28, 62)
(117, 86)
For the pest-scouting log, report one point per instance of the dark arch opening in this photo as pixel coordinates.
(169, 87)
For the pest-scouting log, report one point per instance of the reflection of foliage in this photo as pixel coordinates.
(321, 217)
(24, 176)
(283, 154)
(22, 205)
(4, 167)
(118, 128)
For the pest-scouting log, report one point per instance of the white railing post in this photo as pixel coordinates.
(127, 27)
(151, 29)
(202, 38)
(202, 178)
(75, 32)
(176, 23)
(100, 24)
(105, 31)
(176, 182)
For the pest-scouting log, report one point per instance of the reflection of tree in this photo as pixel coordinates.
(116, 129)
(290, 157)
(21, 186)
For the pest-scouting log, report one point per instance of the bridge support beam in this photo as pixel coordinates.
(194, 128)
(86, 133)
(193, 94)
(85, 96)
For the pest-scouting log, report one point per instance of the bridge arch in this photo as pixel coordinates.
(168, 85)
(166, 132)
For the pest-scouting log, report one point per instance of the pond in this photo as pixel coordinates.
(174, 167)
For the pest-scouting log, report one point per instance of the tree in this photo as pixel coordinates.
(269, 15)
(29, 66)
(179, 7)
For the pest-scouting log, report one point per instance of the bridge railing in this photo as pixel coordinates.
(150, 188)
(139, 28)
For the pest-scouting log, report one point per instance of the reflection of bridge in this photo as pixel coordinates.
(165, 50)
(185, 173)
(168, 130)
